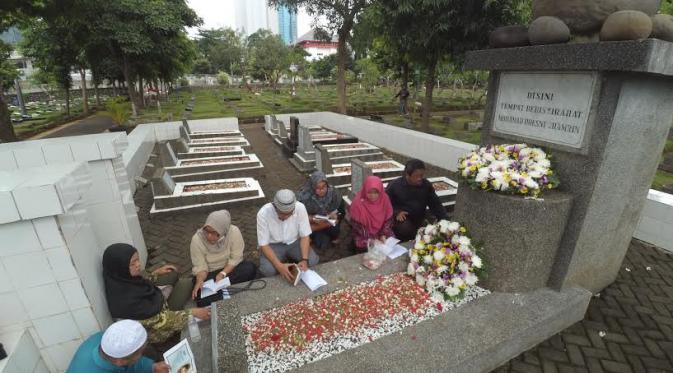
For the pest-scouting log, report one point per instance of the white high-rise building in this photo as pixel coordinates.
(252, 15)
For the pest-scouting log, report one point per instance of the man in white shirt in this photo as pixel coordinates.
(283, 231)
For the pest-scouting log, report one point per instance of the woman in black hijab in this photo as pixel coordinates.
(131, 296)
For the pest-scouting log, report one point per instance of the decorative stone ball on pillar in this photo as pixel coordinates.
(557, 21)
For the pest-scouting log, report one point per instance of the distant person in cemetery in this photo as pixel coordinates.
(132, 294)
(283, 231)
(119, 349)
(410, 195)
(371, 214)
(322, 199)
(217, 252)
(403, 94)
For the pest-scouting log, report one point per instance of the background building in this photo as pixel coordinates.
(252, 15)
(23, 64)
(317, 49)
(287, 24)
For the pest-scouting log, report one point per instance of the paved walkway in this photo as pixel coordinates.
(628, 327)
(86, 126)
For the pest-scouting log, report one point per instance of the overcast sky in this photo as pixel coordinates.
(219, 13)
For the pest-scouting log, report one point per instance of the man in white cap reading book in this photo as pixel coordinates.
(119, 349)
(283, 231)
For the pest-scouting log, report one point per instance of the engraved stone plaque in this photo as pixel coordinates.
(549, 107)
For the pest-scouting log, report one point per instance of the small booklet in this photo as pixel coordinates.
(295, 272)
(398, 250)
(325, 218)
(180, 358)
(311, 278)
(211, 287)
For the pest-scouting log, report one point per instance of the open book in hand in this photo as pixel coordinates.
(311, 278)
(390, 248)
(180, 358)
(211, 287)
(325, 218)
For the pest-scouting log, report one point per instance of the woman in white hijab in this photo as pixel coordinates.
(217, 252)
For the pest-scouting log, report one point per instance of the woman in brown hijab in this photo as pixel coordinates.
(217, 252)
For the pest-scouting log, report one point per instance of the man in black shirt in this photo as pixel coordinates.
(410, 195)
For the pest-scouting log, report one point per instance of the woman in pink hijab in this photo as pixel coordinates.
(371, 213)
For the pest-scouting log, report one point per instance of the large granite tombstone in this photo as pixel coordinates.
(290, 144)
(282, 130)
(305, 145)
(322, 160)
(184, 134)
(167, 155)
(359, 172)
(304, 158)
(294, 129)
(603, 110)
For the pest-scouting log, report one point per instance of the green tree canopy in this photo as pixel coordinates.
(432, 30)
(222, 48)
(268, 57)
(341, 15)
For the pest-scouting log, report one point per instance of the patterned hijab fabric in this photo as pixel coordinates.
(315, 204)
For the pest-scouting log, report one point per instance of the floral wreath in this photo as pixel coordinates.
(444, 261)
(513, 169)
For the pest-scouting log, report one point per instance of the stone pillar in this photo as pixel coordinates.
(282, 131)
(322, 161)
(603, 110)
(294, 129)
(359, 172)
(167, 155)
(305, 144)
(184, 135)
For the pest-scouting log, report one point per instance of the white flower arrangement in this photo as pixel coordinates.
(514, 169)
(444, 261)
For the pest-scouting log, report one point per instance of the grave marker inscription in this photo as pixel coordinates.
(549, 107)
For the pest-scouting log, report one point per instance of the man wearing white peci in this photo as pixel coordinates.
(283, 231)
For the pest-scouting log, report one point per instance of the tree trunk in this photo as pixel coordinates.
(342, 52)
(67, 102)
(141, 93)
(6, 129)
(405, 75)
(429, 87)
(97, 93)
(85, 99)
(129, 87)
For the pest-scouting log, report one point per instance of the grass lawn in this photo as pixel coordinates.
(211, 103)
(46, 121)
(462, 106)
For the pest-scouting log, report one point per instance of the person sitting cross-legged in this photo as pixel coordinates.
(321, 198)
(119, 349)
(132, 296)
(371, 214)
(283, 232)
(410, 195)
(217, 252)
